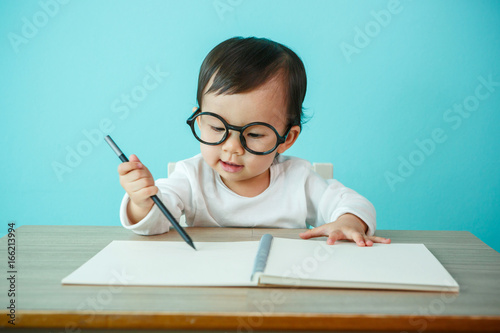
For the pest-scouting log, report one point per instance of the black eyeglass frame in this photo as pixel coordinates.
(279, 139)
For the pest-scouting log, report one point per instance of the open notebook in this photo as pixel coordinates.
(272, 261)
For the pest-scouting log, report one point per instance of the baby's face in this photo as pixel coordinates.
(243, 172)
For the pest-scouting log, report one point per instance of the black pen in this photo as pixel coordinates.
(156, 200)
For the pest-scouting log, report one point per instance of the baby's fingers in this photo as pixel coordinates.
(316, 232)
(376, 239)
(146, 192)
(139, 184)
(126, 167)
(335, 236)
(361, 240)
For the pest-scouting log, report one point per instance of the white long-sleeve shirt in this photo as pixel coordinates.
(296, 195)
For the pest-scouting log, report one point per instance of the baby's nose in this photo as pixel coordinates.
(233, 144)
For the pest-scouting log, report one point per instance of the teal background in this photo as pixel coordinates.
(367, 109)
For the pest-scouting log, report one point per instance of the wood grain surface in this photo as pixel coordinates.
(46, 254)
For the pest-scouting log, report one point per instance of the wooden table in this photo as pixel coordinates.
(46, 254)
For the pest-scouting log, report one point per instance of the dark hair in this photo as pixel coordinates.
(242, 64)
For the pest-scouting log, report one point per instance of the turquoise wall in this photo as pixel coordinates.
(404, 98)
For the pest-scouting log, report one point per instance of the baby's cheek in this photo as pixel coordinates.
(260, 163)
(210, 154)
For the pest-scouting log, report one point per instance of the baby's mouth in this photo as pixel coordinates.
(230, 167)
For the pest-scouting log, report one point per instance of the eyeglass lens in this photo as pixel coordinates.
(259, 138)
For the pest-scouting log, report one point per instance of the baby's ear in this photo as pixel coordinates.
(290, 139)
(194, 108)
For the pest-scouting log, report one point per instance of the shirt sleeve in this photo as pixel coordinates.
(173, 191)
(334, 199)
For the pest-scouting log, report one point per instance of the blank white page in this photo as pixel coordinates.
(160, 263)
(410, 264)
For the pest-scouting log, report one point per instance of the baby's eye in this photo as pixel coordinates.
(255, 135)
(217, 129)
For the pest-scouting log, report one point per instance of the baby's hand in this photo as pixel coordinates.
(136, 179)
(348, 227)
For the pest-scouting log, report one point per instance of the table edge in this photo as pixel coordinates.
(249, 321)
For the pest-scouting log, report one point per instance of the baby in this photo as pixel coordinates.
(250, 94)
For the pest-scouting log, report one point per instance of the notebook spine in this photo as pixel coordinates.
(262, 255)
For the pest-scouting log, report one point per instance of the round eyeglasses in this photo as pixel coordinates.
(257, 138)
